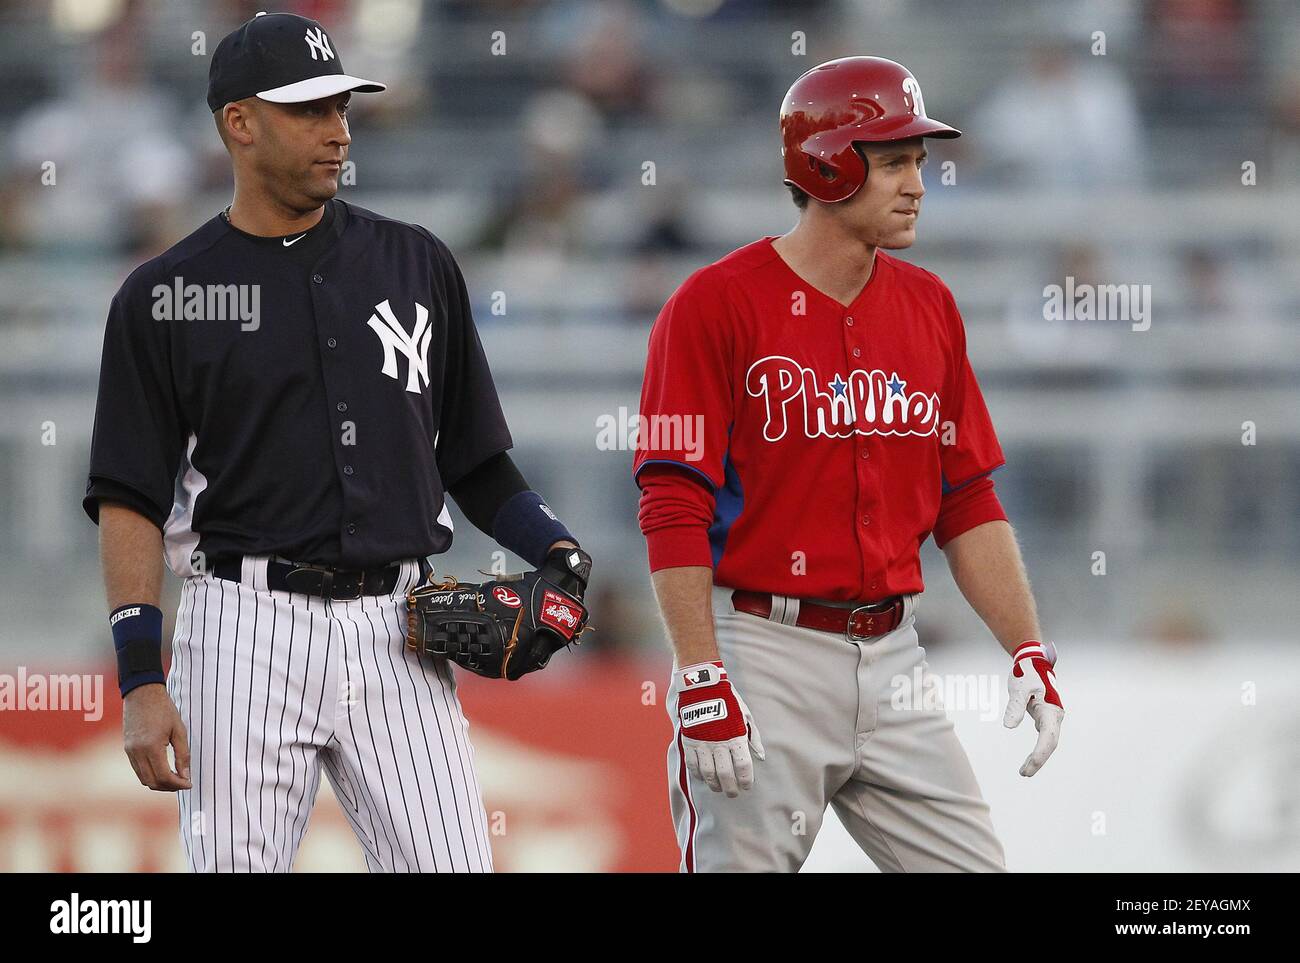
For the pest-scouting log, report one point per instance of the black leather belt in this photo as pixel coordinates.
(323, 581)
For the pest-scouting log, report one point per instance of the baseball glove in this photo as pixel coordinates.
(506, 628)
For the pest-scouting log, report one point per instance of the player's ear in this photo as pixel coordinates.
(235, 123)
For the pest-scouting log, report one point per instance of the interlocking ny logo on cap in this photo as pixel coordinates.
(318, 42)
(264, 58)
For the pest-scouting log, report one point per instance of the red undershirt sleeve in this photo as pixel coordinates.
(962, 509)
(675, 513)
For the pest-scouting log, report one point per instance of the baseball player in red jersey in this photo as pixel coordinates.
(808, 418)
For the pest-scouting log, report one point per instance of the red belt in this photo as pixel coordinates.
(862, 622)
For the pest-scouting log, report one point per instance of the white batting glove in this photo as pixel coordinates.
(1032, 687)
(718, 732)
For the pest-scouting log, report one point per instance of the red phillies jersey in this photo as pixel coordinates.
(829, 435)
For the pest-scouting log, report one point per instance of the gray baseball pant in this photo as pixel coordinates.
(897, 777)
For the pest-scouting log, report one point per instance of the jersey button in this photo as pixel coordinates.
(352, 529)
(849, 322)
(332, 343)
(865, 453)
(342, 406)
(866, 519)
(347, 469)
(857, 352)
(317, 279)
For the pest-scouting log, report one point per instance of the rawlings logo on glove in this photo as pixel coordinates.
(560, 614)
(507, 628)
(507, 597)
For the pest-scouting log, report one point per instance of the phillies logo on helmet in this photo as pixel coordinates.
(911, 87)
(506, 597)
(560, 613)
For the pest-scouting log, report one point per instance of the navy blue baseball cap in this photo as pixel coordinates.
(280, 57)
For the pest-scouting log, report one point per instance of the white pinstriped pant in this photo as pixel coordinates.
(273, 686)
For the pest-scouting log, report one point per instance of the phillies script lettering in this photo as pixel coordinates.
(867, 403)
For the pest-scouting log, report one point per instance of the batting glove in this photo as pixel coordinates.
(1032, 686)
(718, 732)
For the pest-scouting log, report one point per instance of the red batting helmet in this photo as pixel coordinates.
(841, 102)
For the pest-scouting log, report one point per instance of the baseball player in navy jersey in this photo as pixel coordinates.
(840, 426)
(287, 397)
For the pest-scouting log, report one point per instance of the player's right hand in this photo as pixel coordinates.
(150, 723)
(718, 732)
(1032, 686)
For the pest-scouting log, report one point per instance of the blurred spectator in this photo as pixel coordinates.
(1285, 108)
(1199, 60)
(1065, 122)
(1062, 341)
(121, 175)
(606, 62)
(1212, 289)
(663, 240)
(539, 219)
(1286, 117)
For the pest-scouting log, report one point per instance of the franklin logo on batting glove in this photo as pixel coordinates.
(723, 740)
(703, 712)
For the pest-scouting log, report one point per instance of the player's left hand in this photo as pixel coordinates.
(1032, 687)
(506, 628)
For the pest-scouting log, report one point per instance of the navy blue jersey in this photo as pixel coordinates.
(311, 397)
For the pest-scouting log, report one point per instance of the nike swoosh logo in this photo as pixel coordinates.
(287, 242)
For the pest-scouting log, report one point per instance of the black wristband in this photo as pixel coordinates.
(526, 525)
(137, 637)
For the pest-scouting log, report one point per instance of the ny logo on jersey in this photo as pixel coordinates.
(317, 42)
(414, 346)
